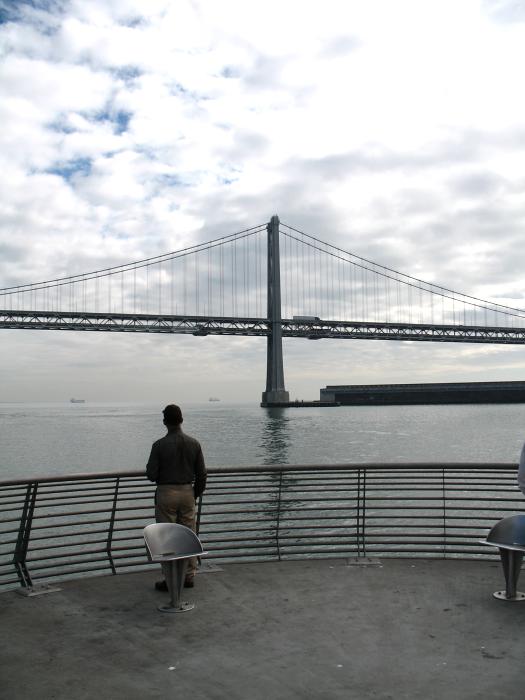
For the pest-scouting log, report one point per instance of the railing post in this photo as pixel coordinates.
(361, 514)
(198, 522)
(111, 527)
(444, 513)
(275, 393)
(277, 532)
(198, 518)
(358, 514)
(24, 533)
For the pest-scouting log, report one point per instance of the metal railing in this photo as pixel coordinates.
(58, 528)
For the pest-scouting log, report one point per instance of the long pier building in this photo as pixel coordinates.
(431, 393)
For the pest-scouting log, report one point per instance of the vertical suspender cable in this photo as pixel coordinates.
(246, 303)
(171, 285)
(184, 284)
(197, 300)
(284, 264)
(257, 277)
(221, 279)
(232, 277)
(160, 287)
(320, 271)
(329, 265)
(135, 289)
(147, 289)
(309, 278)
(208, 312)
(303, 274)
(364, 297)
(295, 269)
(260, 312)
(343, 293)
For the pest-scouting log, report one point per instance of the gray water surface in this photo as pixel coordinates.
(52, 439)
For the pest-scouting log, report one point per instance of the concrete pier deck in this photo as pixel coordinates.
(404, 629)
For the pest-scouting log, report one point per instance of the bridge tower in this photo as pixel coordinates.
(275, 392)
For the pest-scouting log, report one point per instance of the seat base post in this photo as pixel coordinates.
(176, 571)
(182, 607)
(511, 560)
(502, 595)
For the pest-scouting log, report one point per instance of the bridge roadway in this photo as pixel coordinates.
(395, 629)
(291, 328)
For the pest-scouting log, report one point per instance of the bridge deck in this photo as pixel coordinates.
(247, 326)
(307, 629)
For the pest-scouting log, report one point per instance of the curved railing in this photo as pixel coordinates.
(63, 527)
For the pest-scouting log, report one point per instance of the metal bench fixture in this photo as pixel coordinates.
(173, 546)
(509, 536)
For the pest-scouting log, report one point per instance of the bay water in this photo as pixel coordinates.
(52, 439)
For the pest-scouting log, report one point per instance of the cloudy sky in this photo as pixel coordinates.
(395, 130)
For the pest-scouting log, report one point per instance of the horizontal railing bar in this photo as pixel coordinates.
(11, 520)
(228, 546)
(39, 564)
(290, 489)
(63, 574)
(243, 511)
(82, 533)
(431, 474)
(344, 514)
(83, 547)
(62, 555)
(40, 526)
(72, 500)
(86, 512)
(277, 468)
(434, 507)
(70, 568)
(323, 522)
(51, 499)
(62, 545)
(232, 540)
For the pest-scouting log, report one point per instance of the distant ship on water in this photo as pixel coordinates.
(77, 400)
(213, 398)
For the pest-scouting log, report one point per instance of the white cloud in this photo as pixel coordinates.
(391, 129)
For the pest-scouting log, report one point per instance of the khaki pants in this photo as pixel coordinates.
(176, 504)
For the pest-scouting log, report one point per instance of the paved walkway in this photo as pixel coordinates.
(408, 629)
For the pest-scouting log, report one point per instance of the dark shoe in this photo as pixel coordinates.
(161, 586)
(188, 583)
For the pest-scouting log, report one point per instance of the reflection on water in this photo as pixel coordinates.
(275, 436)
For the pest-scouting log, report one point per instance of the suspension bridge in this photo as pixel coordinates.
(269, 280)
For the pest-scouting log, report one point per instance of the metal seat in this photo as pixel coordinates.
(508, 535)
(173, 545)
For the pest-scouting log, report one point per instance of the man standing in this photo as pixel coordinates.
(176, 464)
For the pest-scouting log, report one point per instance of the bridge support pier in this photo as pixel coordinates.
(275, 393)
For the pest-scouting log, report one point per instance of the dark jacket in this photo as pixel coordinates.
(177, 459)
